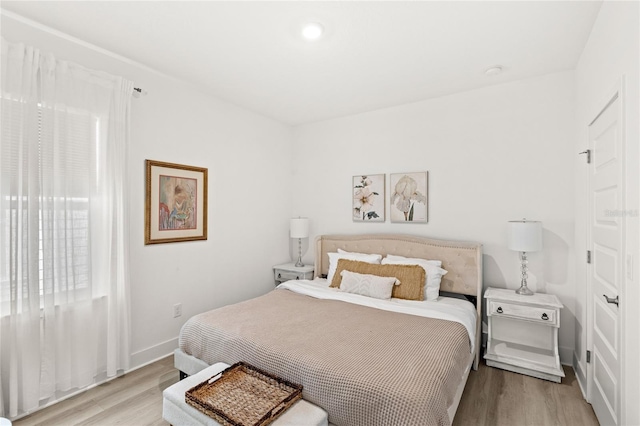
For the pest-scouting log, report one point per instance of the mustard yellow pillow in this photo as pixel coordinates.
(411, 277)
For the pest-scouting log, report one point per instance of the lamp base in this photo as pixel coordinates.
(299, 263)
(524, 290)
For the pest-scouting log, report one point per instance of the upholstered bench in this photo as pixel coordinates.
(178, 413)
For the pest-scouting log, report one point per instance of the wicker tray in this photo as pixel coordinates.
(243, 395)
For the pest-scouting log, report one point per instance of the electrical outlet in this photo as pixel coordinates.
(177, 310)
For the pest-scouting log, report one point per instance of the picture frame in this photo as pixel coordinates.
(175, 203)
(368, 198)
(409, 201)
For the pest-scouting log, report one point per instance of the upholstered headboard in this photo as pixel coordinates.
(462, 260)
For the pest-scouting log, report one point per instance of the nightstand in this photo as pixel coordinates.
(523, 333)
(289, 271)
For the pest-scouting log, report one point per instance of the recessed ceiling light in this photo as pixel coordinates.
(312, 31)
(493, 70)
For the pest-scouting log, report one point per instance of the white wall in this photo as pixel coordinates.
(249, 194)
(495, 154)
(611, 52)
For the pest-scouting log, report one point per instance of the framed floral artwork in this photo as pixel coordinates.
(175, 203)
(368, 198)
(408, 202)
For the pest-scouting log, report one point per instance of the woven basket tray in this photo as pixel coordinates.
(242, 395)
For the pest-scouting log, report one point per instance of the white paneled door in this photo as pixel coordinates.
(606, 223)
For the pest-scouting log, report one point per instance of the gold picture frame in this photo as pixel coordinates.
(175, 203)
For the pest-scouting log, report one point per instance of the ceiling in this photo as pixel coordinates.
(373, 54)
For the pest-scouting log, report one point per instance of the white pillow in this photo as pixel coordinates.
(367, 285)
(362, 257)
(431, 267)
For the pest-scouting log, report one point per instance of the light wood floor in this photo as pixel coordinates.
(492, 397)
(133, 399)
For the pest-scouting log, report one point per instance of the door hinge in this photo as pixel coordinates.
(588, 256)
(588, 357)
(588, 152)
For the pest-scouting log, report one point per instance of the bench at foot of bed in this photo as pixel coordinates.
(177, 412)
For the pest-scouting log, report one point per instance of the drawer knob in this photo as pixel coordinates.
(279, 275)
(297, 278)
(499, 310)
(545, 317)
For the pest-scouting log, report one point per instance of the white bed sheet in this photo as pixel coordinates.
(446, 308)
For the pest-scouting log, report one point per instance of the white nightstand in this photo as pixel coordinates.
(523, 333)
(289, 271)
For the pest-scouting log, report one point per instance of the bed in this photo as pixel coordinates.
(365, 361)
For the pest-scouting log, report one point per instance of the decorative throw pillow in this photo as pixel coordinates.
(334, 257)
(367, 285)
(411, 277)
(432, 269)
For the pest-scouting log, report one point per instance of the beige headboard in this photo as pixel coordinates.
(462, 260)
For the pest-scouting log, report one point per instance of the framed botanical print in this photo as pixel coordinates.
(408, 202)
(175, 203)
(368, 198)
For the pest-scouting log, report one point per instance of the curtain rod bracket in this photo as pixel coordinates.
(137, 92)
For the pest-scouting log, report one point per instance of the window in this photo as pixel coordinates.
(60, 203)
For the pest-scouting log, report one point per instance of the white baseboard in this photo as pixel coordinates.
(153, 353)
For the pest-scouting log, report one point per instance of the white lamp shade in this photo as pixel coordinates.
(524, 235)
(299, 227)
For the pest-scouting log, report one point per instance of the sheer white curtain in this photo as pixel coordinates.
(64, 295)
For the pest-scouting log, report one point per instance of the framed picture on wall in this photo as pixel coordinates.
(175, 203)
(408, 202)
(368, 198)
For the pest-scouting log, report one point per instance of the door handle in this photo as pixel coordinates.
(611, 300)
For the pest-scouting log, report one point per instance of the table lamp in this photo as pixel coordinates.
(299, 228)
(524, 236)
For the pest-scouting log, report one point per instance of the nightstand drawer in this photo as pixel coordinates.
(281, 275)
(547, 316)
(288, 272)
